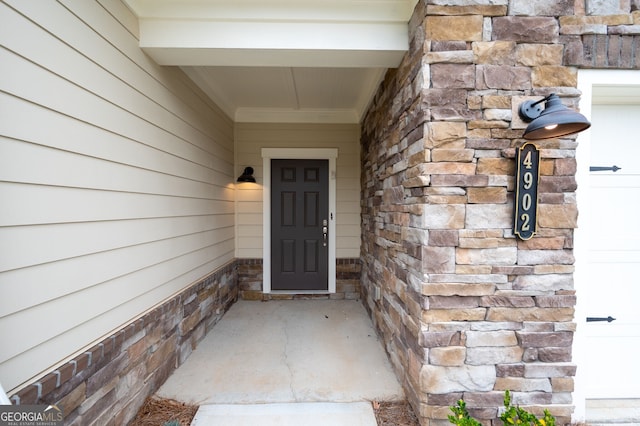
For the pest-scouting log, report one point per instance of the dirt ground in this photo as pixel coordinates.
(167, 412)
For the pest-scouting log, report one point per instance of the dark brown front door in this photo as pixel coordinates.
(299, 225)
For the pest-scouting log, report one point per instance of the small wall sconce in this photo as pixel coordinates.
(554, 121)
(247, 175)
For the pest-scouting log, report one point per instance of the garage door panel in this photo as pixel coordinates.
(616, 254)
(613, 284)
(618, 209)
(610, 362)
(615, 180)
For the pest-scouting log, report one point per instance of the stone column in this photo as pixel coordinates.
(465, 309)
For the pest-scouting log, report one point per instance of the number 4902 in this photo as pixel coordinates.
(528, 161)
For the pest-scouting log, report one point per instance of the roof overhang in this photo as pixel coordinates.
(363, 34)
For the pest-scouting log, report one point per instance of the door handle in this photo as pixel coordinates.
(325, 230)
(600, 319)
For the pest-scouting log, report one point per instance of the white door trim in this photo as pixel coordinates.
(268, 154)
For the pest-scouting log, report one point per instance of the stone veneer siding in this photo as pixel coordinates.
(107, 383)
(347, 282)
(466, 310)
(602, 34)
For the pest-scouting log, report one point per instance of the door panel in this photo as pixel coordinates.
(300, 202)
(311, 206)
(311, 254)
(288, 206)
(613, 289)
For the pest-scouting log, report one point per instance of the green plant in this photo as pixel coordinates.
(512, 415)
(517, 416)
(461, 416)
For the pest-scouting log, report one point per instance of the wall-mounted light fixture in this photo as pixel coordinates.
(553, 121)
(247, 175)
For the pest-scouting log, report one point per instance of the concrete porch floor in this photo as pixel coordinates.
(281, 360)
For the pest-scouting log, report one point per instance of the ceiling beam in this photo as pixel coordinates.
(330, 33)
(212, 43)
(281, 10)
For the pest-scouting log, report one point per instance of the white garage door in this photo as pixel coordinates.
(612, 368)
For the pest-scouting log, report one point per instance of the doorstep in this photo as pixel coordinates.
(287, 414)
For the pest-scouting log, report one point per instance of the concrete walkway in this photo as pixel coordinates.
(280, 360)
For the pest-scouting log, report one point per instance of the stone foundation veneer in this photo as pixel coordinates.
(347, 282)
(107, 383)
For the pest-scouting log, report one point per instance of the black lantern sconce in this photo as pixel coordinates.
(553, 121)
(247, 175)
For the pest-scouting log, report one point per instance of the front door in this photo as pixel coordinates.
(299, 225)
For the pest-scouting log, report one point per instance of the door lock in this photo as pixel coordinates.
(325, 230)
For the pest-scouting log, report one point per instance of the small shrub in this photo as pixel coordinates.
(517, 416)
(461, 416)
(512, 415)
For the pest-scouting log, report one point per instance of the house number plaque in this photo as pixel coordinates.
(527, 176)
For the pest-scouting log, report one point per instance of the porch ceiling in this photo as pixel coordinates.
(279, 60)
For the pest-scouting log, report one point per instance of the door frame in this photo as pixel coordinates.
(330, 154)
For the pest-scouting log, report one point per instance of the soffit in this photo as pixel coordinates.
(279, 60)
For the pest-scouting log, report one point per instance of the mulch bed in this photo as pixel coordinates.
(168, 412)
(394, 413)
(160, 412)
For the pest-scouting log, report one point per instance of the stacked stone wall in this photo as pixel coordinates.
(250, 282)
(465, 309)
(393, 182)
(602, 34)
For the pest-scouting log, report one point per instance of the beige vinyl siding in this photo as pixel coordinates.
(116, 181)
(252, 137)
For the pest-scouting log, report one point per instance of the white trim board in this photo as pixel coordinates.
(268, 154)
